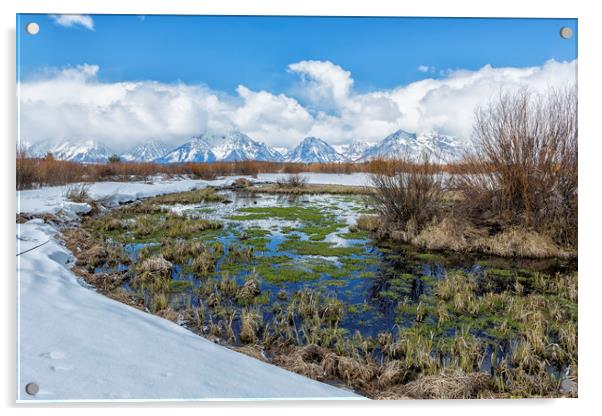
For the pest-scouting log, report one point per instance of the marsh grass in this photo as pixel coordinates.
(310, 189)
(447, 332)
(195, 196)
(251, 323)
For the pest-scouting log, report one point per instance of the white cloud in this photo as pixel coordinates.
(324, 84)
(70, 20)
(426, 68)
(73, 104)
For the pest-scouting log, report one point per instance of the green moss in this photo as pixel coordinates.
(352, 309)
(279, 273)
(337, 283)
(292, 213)
(500, 272)
(262, 299)
(176, 286)
(319, 232)
(205, 210)
(388, 294)
(191, 197)
(486, 263)
(258, 243)
(428, 257)
(358, 235)
(318, 248)
(158, 227)
(254, 232)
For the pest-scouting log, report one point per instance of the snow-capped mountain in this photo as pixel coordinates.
(314, 150)
(233, 146)
(196, 150)
(409, 145)
(284, 151)
(355, 150)
(236, 146)
(84, 151)
(146, 152)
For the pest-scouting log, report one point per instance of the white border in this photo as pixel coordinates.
(590, 225)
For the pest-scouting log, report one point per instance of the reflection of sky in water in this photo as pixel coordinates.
(366, 310)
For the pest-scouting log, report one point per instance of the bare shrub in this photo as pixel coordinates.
(526, 162)
(292, 181)
(78, 192)
(26, 172)
(410, 198)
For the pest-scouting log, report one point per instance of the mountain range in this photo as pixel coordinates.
(232, 147)
(237, 146)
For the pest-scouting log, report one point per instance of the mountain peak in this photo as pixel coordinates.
(409, 145)
(401, 135)
(315, 150)
(232, 146)
(147, 151)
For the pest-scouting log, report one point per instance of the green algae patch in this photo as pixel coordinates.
(176, 286)
(279, 273)
(357, 235)
(428, 257)
(319, 248)
(292, 213)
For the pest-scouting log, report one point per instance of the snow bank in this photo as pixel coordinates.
(356, 179)
(79, 345)
(52, 199)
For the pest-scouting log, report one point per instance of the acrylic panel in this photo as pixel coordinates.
(287, 207)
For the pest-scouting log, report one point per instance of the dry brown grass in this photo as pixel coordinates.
(251, 323)
(447, 385)
(519, 242)
(448, 234)
(369, 222)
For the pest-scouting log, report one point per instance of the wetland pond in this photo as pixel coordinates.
(269, 266)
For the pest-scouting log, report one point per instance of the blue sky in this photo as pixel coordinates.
(225, 51)
(126, 79)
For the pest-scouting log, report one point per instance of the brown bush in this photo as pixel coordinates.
(408, 194)
(292, 181)
(26, 172)
(48, 171)
(525, 160)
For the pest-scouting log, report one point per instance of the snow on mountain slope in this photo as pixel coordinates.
(233, 146)
(355, 150)
(314, 150)
(147, 151)
(197, 149)
(403, 144)
(84, 151)
(284, 151)
(236, 146)
(77, 344)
